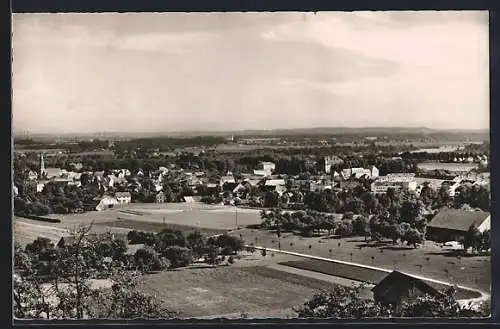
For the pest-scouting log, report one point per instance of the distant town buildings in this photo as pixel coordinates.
(123, 197)
(395, 181)
(330, 161)
(357, 173)
(266, 169)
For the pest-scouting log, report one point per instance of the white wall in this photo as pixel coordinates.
(486, 225)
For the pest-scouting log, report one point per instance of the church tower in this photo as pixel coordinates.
(43, 172)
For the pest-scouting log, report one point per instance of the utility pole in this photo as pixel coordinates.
(236, 216)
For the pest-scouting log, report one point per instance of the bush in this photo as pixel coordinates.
(178, 256)
(139, 237)
(230, 260)
(168, 238)
(227, 251)
(228, 241)
(146, 259)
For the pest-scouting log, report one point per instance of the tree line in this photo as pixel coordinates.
(346, 303)
(64, 273)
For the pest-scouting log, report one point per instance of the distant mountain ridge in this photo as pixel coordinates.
(271, 132)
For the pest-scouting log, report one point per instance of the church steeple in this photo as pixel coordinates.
(43, 172)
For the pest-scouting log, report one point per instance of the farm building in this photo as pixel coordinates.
(395, 181)
(107, 202)
(398, 287)
(123, 197)
(453, 224)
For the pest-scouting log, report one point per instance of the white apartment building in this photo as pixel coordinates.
(395, 181)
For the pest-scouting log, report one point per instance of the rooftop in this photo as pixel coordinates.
(457, 219)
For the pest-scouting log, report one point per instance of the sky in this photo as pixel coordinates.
(161, 72)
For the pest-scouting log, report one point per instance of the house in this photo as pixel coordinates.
(39, 187)
(160, 197)
(226, 179)
(451, 187)
(77, 166)
(241, 187)
(261, 173)
(398, 287)
(395, 181)
(357, 173)
(229, 186)
(123, 197)
(106, 203)
(277, 185)
(331, 161)
(32, 175)
(453, 224)
(433, 183)
(192, 199)
(266, 169)
(349, 185)
(268, 166)
(54, 172)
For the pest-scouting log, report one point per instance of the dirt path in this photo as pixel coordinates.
(475, 301)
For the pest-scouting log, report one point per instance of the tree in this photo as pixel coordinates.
(413, 237)
(178, 256)
(346, 303)
(29, 299)
(147, 259)
(197, 243)
(410, 210)
(359, 225)
(443, 305)
(395, 233)
(69, 288)
(271, 199)
(126, 301)
(345, 228)
(486, 240)
(340, 302)
(168, 238)
(227, 241)
(473, 239)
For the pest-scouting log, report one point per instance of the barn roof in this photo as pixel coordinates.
(398, 278)
(457, 219)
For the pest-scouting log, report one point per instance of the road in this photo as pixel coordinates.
(485, 296)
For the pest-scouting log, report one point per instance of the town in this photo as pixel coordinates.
(300, 208)
(244, 166)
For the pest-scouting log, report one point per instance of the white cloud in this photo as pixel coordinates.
(424, 45)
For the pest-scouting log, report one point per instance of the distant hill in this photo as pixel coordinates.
(365, 131)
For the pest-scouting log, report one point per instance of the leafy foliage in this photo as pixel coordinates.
(345, 303)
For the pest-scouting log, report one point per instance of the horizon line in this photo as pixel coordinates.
(27, 131)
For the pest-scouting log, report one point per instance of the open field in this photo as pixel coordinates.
(146, 217)
(194, 215)
(430, 259)
(450, 166)
(361, 274)
(216, 292)
(27, 230)
(157, 227)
